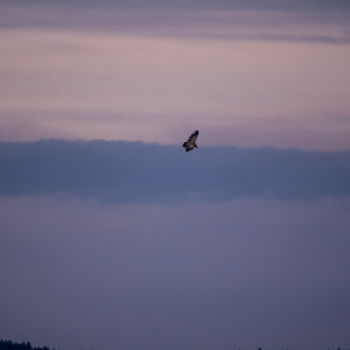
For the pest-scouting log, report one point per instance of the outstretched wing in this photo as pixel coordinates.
(193, 138)
(190, 144)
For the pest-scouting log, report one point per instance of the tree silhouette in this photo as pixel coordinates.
(9, 345)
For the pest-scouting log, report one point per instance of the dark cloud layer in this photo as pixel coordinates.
(196, 4)
(227, 20)
(124, 171)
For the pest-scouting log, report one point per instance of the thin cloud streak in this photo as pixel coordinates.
(322, 132)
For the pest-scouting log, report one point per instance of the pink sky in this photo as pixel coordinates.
(93, 84)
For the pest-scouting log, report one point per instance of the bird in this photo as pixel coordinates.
(190, 144)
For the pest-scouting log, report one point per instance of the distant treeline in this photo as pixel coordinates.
(9, 345)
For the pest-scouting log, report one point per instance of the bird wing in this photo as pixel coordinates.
(193, 138)
(190, 144)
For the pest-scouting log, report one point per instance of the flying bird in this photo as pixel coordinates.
(190, 144)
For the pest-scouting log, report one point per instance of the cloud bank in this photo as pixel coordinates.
(124, 171)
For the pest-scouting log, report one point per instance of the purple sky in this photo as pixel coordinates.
(124, 245)
(238, 274)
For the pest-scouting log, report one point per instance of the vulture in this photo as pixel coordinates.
(190, 144)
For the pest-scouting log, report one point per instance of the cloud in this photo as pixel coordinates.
(291, 21)
(124, 171)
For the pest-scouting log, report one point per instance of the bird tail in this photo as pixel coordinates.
(184, 145)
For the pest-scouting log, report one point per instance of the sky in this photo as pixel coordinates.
(248, 73)
(113, 237)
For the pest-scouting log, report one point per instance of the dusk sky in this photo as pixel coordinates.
(113, 237)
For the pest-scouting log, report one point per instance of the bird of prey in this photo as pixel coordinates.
(190, 144)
